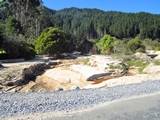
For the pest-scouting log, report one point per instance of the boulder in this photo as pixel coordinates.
(102, 62)
(157, 57)
(108, 64)
(63, 75)
(151, 68)
(89, 73)
(142, 56)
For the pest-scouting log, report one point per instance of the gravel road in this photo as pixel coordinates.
(22, 104)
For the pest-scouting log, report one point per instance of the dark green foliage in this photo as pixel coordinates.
(135, 45)
(93, 23)
(151, 44)
(15, 49)
(13, 26)
(24, 20)
(51, 41)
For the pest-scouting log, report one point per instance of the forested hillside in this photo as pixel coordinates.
(24, 21)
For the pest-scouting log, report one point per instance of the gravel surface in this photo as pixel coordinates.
(12, 104)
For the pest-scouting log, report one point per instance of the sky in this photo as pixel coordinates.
(152, 6)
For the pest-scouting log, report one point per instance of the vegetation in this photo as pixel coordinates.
(105, 45)
(94, 23)
(157, 62)
(140, 64)
(29, 24)
(135, 45)
(17, 49)
(51, 41)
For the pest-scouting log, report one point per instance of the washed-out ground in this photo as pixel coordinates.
(74, 85)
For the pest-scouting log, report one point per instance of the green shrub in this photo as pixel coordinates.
(120, 47)
(18, 49)
(151, 44)
(137, 63)
(51, 41)
(157, 62)
(27, 51)
(135, 45)
(105, 44)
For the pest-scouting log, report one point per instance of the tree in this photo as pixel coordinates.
(105, 44)
(51, 41)
(18, 49)
(13, 26)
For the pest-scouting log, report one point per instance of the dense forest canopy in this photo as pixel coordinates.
(25, 20)
(93, 23)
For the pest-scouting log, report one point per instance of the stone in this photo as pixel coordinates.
(89, 73)
(157, 57)
(142, 56)
(151, 69)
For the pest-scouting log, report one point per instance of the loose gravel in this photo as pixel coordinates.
(13, 104)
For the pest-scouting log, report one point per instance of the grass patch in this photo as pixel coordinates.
(140, 64)
(157, 62)
(85, 61)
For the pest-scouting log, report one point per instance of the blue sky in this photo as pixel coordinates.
(152, 6)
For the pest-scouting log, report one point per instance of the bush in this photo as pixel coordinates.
(151, 44)
(105, 45)
(135, 45)
(51, 41)
(138, 63)
(120, 47)
(26, 51)
(18, 49)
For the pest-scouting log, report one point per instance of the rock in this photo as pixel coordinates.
(108, 64)
(1, 66)
(63, 75)
(89, 73)
(157, 57)
(50, 63)
(152, 53)
(102, 62)
(151, 68)
(142, 56)
(60, 89)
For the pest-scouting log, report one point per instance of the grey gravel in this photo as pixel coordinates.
(13, 104)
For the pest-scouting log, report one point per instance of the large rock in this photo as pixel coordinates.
(63, 75)
(108, 64)
(102, 62)
(157, 57)
(152, 53)
(142, 56)
(88, 72)
(151, 68)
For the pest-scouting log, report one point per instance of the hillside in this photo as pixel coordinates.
(82, 27)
